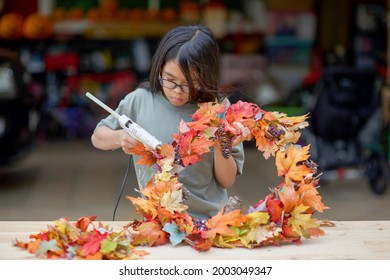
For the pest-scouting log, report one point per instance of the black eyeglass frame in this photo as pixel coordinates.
(174, 85)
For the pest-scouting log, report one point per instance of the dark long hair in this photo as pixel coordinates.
(197, 54)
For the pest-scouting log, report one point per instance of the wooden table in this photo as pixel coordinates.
(362, 240)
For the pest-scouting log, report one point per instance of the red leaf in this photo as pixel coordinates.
(91, 243)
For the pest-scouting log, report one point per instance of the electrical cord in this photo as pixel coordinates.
(122, 188)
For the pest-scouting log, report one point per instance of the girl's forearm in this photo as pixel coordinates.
(105, 138)
(225, 169)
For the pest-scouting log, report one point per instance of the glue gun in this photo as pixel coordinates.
(133, 129)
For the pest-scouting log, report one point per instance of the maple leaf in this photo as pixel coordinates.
(199, 243)
(263, 144)
(150, 233)
(289, 197)
(176, 236)
(184, 222)
(295, 122)
(243, 112)
(257, 218)
(67, 230)
(165, 173)
(209, 110)
(146, 207)
(226, 241)
(167, 152)
(220, 223)
(91, 243)
(48, 246)
(309, 196)
(287, 163)
(160, 188)
(313, 232)
(83, 222)
(147, 157)
(206, 116)
(260, 234)
(95, 256)
(172, 201)
(301, 221)
(275, 209)
(108, 246)
(191, 148)
(34, 246)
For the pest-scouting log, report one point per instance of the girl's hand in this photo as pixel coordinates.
(244, 134)
(127, 142)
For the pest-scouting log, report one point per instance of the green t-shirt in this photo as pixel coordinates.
(155, 114)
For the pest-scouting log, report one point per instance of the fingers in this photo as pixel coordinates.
(127, 143)
(243, 134)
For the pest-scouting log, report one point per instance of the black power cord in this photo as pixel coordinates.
(122, 188)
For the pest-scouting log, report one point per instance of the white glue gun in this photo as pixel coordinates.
(133, 129)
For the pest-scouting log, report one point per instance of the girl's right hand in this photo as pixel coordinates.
(127, 142)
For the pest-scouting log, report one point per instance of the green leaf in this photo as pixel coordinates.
(107, 246)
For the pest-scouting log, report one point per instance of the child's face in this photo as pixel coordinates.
(174, 84)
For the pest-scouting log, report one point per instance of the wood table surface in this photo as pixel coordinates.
(362, 240)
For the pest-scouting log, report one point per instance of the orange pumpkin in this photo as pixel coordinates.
(11, 26)
(37, 26)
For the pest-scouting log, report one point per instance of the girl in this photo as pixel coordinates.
(184, 73)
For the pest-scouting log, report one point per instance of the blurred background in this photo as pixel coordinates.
(325, 58)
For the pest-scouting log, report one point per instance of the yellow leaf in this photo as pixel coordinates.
(302, 221)
(172, 201)
(257, 218)
(262, 233)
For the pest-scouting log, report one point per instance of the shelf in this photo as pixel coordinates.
(115, 29)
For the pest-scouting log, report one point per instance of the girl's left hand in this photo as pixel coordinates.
(243, 134)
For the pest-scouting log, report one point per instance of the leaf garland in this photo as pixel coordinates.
(82, 240)
(285, 215)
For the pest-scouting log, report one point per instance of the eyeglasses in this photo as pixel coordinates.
(172, 85)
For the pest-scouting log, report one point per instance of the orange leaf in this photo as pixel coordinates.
(146, 156)
(33, 246)
(96, 256)
(263, 144)
(83, 222)
(150, 233)
(220, 223)
(146, 207)
(287, 163)
(309, 196)
(209, 110)
(167, 151)
(191, 147)
(289, 197)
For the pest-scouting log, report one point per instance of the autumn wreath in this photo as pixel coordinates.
(285, 215)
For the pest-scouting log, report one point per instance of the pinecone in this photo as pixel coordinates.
(226, 142)
(185, 194)
(233, 203)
